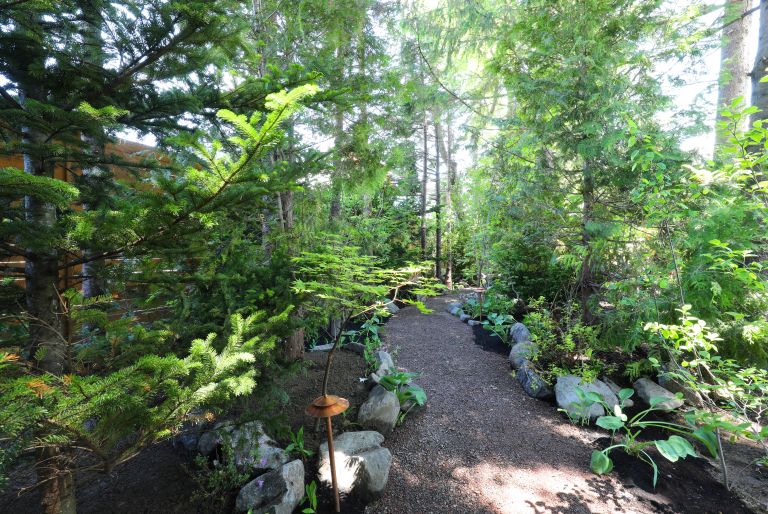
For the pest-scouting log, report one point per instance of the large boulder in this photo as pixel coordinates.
(519, 333)
(277, 492)
(532, 383)
(675, 385)
(568, 399)
(358, 348)
(362, 465)
(521, 353)
(380, 410)
(252, 449)
(647, 389)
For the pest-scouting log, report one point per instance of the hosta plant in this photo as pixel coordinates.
(626, 434)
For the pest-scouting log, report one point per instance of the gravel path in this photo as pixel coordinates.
(482, 445)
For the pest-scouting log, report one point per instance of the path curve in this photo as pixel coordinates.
(483, 445)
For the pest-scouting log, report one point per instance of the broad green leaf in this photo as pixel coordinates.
(708, 439)
(626, 394)
(600, 463)
(610, 422)
(675, 448)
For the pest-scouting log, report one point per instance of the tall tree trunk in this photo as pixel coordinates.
(93, 176)
(445, 143)
(438, 208)
(336, 189)
(294, 345)
(734, 68)
(424, 182)
(585, 279)
(760, 69)
(48, 347)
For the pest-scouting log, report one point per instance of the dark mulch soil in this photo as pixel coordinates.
(153, 482)
(156, 481)
(488, 341)
(687, 484)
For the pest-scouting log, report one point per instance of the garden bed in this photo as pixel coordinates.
(157, 482)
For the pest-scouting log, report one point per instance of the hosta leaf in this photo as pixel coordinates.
(626, 394)
(675, 448)
(610, 422)
(600, 463)
(708, 439)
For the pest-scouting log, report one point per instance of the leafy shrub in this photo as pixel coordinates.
(564, 348)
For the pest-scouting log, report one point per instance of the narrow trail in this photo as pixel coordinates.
(482, 445)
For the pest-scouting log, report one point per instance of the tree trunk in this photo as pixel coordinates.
(446, 152)
(438, 210)
(734, 69)
(585, 279)
(57, 482)
(47, 346)
(760, 70)
(423, 228)
(94, 177)
(335, 212)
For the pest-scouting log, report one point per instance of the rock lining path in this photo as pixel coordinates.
(482, 445)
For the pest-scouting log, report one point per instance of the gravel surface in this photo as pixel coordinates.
(482, 445)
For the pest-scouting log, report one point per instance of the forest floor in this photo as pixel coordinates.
(483, 446)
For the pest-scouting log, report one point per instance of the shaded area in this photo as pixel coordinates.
(483, 446)
(157, 482)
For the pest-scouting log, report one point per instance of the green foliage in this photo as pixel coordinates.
(632, 439)
(339, 282)
(499, 324)
(310, 497)
(408, 394)
(563, 347)
(115, 415)
(296, 447)
(217, 481)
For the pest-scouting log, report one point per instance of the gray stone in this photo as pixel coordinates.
(474, 322)
(521, 353)
(322, 348)
(675, 385)
(647, 389)
(277, 492)
(391, 307)
(362, 465)
(628, 403)
(568, 400)
(358, 348)
(188, 440)
(464, 316)
(384, 361)
(380, 410)
(453, 307)
(252, 449)
(519, 333)
(532, 383)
